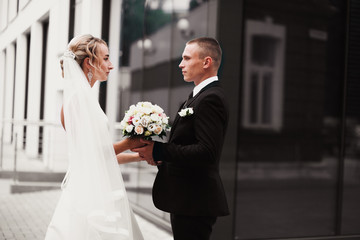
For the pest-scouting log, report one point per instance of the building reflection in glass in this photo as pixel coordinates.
(154, 36)
(293, 141)
(289, 134)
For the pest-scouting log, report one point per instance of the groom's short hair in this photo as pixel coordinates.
(209, 47)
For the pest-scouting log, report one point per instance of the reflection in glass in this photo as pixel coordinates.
(351, 198)
(267, 98)
(152, 42)
(263, 50)
(264, 55)
(254, 98)
(287, 177)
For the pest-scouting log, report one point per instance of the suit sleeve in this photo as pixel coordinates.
(210, 125)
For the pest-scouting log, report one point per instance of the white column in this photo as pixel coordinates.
(54, 135)
(12, 10)
(114, 49)
(2, 89)
(22, 4)
(20, 84)
(34, 90)
(3, 14)
(9, 92)
(88, 21)
(56, 45)
(89, 14)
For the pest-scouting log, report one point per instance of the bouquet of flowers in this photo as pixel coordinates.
(145, 120)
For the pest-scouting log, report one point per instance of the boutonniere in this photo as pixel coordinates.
(186, 112)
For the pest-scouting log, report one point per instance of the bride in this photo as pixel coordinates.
(93, 204)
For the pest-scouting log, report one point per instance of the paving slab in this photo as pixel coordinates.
(27, 215)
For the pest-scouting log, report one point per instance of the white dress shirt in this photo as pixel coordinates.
(203, 84)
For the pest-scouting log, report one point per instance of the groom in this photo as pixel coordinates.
(188, 184)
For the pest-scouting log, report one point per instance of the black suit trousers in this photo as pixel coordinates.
(192, 227)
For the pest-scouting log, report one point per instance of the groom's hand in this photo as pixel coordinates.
(146, 151)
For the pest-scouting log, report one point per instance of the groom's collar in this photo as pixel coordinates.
(191, 99)
(203, 84)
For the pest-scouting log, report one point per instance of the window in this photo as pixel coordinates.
(263, 75)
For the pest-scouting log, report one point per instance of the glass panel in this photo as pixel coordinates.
(156, 72)
(267, 94)
(254, 88)
(351, 199)
(154, 34)
(131, 76)
(287, 179)
(263, 50)
(131, 79)
(191, 19)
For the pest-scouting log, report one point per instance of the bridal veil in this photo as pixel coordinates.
(94, 203)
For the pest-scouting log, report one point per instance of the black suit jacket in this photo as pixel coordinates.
(188, 180)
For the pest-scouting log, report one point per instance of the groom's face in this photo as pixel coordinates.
(191, 64)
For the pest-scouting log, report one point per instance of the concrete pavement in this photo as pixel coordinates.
(27, 215)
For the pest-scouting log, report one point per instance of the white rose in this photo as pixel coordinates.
(158, 129)
(132, 107)
(139, 129)
(155, 117)
(145, 120)
(129, 113)
(186, 112)
(136, 121)
(129, 128)
(147, 104)
(157, 109)
(123, 124)
(139, 115)
(165, 120)
(182, 113)
(151, 127)
(146, 110)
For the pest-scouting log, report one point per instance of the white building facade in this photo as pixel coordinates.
(33, 36)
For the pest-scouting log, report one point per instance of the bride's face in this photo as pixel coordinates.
(101, 73)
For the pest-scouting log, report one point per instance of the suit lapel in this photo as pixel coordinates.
(213, 84)
(177, 117)
(188, 103)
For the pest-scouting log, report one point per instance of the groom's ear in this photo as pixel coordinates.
(207, 62)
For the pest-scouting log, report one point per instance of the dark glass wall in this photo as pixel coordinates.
(154, 34)
(351, 164)
(290, 163)
(290, 124)
(105, 28)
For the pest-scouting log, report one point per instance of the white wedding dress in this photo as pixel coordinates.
(93, 204)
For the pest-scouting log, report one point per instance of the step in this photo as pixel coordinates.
(24, 176)
(25, 187)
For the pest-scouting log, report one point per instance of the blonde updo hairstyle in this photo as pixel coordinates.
(84, 46)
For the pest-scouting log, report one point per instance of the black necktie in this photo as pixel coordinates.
(190, 96)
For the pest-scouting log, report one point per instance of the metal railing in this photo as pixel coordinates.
(21, 125)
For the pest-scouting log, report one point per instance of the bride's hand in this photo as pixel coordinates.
(127, 144)
(146, 151)
(134, 142)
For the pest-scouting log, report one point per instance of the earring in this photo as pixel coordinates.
(89, 75)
